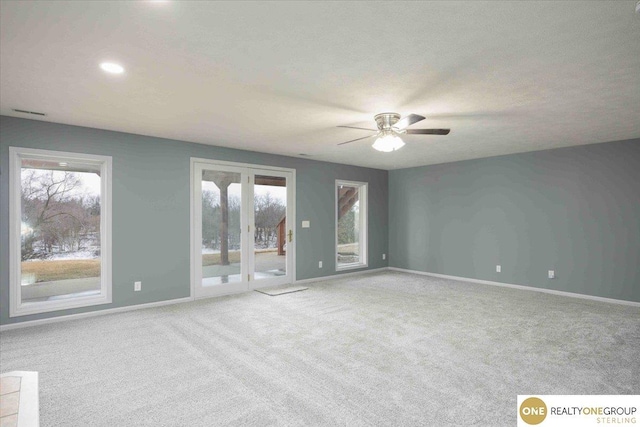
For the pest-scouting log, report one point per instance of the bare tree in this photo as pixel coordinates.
(268, 213)
(56, 212)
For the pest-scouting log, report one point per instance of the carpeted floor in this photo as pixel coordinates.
(383, 349)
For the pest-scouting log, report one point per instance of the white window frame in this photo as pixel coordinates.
(16, 155)
(364, 224)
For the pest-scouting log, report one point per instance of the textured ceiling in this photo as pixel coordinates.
(506, 77)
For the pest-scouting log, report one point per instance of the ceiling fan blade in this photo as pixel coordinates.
(358, 139)
(428, 131)
(407, 121)
(354, 127)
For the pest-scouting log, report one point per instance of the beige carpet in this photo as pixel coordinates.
(386, 349)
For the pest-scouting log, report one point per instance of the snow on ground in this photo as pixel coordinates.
(206, 251)
(210, 251)
(69, 256)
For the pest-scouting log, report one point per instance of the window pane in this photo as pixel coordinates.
(221, 227)
(270, 232)
(348, 225)
(60, 230)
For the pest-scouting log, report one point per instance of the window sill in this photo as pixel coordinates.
(351, 266)
(28, 308)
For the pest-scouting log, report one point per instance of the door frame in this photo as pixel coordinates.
(291, 199)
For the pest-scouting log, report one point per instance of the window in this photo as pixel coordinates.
(351, 225)
(60, 219)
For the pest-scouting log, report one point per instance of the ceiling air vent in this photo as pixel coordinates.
(29, 112)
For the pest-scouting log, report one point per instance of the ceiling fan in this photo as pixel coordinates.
(390, 127)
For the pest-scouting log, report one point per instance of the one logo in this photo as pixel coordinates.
(533, 411)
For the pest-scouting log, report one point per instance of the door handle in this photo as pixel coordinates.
(290, 235)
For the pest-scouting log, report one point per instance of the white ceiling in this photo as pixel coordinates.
(274, 77)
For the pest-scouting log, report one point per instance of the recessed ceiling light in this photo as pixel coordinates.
(112, 68)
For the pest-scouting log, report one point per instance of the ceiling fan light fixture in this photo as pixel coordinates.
(388, 142)
(390, 127)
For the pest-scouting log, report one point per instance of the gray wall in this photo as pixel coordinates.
(572, 210)
(151, 207)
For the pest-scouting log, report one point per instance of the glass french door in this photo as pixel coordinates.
(243, 220)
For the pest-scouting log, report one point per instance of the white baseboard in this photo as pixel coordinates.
(522, 287)
(315, 279)
(64, 318)
(340, 275)
(29, 323)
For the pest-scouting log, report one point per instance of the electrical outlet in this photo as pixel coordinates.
(552, 274)
(319, 264)
(137, 286)
(384, 256)
(498, 269)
